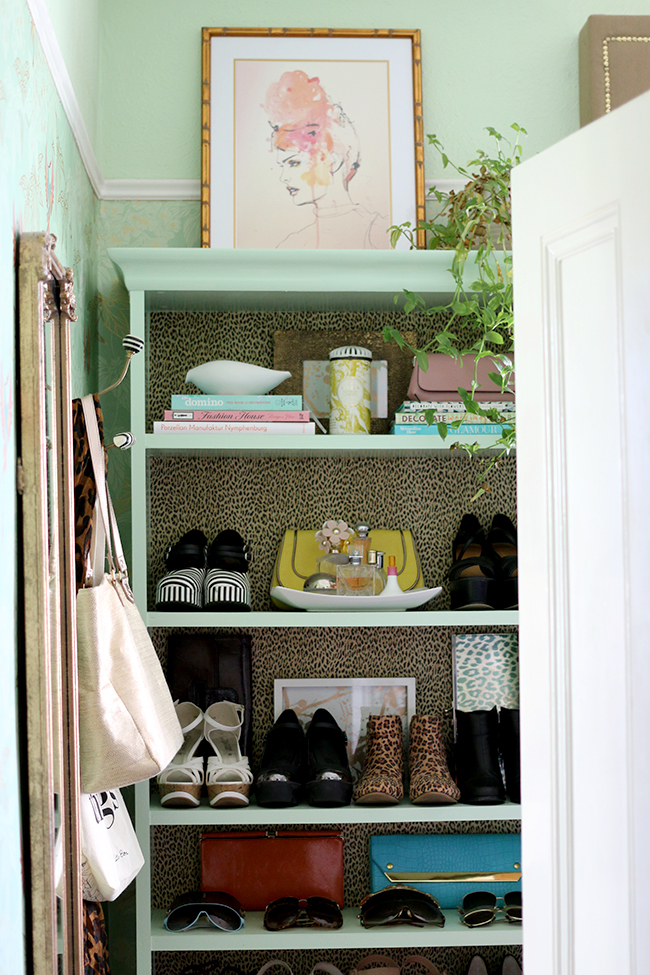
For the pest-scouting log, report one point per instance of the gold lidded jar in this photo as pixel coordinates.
(350, 389)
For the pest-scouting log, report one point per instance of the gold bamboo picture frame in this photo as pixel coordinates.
(311, 138)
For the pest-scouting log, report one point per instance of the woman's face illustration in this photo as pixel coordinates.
(297, 175)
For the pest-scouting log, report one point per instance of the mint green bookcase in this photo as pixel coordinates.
(210, 279)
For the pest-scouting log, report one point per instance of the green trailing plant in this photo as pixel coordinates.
(476, 224)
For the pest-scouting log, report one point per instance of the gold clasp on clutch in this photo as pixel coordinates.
(452, 878)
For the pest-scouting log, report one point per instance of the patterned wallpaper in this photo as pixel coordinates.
(43, 186)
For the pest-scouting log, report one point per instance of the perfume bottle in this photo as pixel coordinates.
(355, 579)
(392, 587)
(381, 571)
(360, 543)
(379, 577)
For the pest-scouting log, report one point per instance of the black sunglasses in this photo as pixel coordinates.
(308, 912)
(205, 908)
(400, 904)
(481, 907)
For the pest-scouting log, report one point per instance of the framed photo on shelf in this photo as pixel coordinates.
(311, 139)
(350, 702)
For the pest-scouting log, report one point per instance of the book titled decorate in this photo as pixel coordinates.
(245, 416)
(268, 401)
(179, 426)
(409, 418)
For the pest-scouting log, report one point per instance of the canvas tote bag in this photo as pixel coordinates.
(110, 853)
(128, 729)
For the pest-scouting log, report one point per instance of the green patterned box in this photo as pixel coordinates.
(486, 671)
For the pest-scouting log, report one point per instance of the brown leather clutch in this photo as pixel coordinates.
(258, 867)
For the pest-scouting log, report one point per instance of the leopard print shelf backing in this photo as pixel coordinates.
(260, 497)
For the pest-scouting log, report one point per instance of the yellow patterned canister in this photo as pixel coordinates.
(350, 389)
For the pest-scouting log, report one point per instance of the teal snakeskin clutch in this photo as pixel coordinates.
(447, 867)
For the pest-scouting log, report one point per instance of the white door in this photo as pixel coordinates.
(581, 214)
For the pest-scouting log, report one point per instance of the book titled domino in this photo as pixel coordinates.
(179, 426)
(269, 401)
(464, 430)
(245, 416)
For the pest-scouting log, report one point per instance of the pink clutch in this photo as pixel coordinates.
(444, 375)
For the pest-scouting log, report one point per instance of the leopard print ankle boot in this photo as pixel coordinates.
(381, 779)
(431, 782)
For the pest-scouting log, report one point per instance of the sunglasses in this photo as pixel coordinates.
(400, 904)
(205, 908)
(481, 907)
(306, 912)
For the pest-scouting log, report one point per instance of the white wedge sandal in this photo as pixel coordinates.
(181, 782)
(229, 777)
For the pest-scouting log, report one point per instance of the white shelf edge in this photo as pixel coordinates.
(254, 937)
(245, 621)
(288, 445)
(404, 812)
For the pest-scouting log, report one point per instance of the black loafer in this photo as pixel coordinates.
(279, 780)
(329, 780)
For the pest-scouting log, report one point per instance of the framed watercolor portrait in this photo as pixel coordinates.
(350, 702)
(311, 138)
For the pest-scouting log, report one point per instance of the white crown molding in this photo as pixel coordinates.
(151, 189)
(54, 57)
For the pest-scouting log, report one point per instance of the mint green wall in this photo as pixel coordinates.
(485, 62)
(129, 224)
(76, 25)
(43, 186)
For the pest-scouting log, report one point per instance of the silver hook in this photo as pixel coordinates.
(133, 344)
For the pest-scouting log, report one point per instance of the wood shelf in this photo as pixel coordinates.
(303, 445)
(295, 618)
(254, 937)
(403, 812)
(199, 279)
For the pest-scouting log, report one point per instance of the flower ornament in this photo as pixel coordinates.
(332, 535)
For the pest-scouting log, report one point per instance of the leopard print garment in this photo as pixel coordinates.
(382, 777)
(430, 778)
(95, 942)
(84, 489)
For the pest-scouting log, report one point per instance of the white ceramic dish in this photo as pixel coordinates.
(225, 377)
(318, 602)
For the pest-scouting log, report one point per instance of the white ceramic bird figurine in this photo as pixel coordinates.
(224, 376)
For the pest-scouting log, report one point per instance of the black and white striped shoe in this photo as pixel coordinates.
(182, 588)
(226, 590)
(226, 584)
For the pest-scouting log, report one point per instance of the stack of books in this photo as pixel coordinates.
(411, 418)
(236, 414)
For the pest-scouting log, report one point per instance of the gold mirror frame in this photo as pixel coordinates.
(46, 527)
